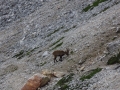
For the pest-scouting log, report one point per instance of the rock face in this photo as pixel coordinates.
(36, 81)
(113, 47)
(16, 9)
(35, 23)
(28, 28)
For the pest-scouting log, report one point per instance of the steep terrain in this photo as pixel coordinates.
(89, 28)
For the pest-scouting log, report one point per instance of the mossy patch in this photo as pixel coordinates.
(19, 55)
(87, 8)
(55, 31)
(56, 41)
(23, 53)
(63, 83)
(42, 64)
(8, 69)
(64, 87)
(91, 74)
(94, 4)
(114, 59)
(29, 52)
(58, 45)
(69, 29)
(71, 52)
(105, 9)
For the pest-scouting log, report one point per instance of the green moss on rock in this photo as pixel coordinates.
(19, 55)
(91, 74)
(63, 83)
(69, 28)
(94, 4)
(55, 31)
(57, 41)
(58, 45)
(114, 59)
(23, 53)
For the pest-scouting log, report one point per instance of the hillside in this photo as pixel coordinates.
(89, 28)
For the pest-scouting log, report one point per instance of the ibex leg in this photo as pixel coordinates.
(60, 58)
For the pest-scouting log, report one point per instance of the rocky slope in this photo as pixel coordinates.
(29, 29)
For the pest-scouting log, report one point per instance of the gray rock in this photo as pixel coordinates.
(118, 30)
(113, 47)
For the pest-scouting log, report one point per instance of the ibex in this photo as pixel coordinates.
(60, 53)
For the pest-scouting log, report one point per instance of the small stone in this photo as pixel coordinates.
(82, 68)
(81, 62)
(114, 37)
(118, 30)
(59, 74)
(46, 53)
(75, 50)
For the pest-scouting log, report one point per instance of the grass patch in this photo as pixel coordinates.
(56, 41)
(105, 9)
(66, 30)
(114, 59)
(64, 87)
(11, 68)
(71, 52)
(58, 45)
(94, 4)
(62, 83)
(42, 64)
(91, 74)
(23, 53)
(65, 79)
(69, 29)
(55, 31)
(87, 8)
(29, 52)
(19, 55)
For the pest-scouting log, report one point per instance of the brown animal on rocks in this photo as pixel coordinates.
(60, 53)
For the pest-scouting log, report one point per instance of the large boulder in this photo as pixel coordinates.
(36, 81)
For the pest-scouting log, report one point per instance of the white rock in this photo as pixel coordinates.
(50, 73)
(59, 74)
(45, 54)
(118, 30)
(82, 68)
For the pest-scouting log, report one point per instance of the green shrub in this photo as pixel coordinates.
(55, 31)
(19, 55)
(23, 53)
(58, 45)
(71, 52)
(62, 83)
(57, 41)
(91, 74)
(69, 28)
(42, 64)
(114, 59)
(94, 4)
